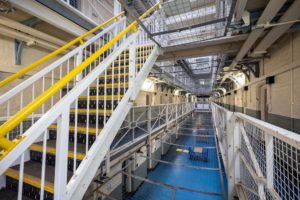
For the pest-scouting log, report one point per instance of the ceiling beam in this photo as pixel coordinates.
(268, 14)
(240, 7)
(211, 42)
(185, 67)
(291, 14)
(225, 45)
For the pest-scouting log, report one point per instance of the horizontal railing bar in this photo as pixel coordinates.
(56, 52)
(5, 97)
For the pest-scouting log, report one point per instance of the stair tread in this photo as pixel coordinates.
(101, 96)
(80, 128)
(32, 175)
(109, 84)
(52, 150)
(127, 59)
(110, 75)
(7, 194)
(149, 50)
(94, 111)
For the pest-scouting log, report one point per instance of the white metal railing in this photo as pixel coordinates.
(127, 62)
(261, 160)
(141, 121)
(18, 97)
(202, 106)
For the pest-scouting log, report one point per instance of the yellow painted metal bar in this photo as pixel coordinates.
(54, 53)
(100, 96)
(110, 75)
(127, 54)
(79, 129)
(31, 180)
(36, 147)
(127, 59)
(91, 111)
(31, 107)
(108, 85)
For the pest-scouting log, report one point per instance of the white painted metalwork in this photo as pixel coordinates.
(66, 105)
(259, 157)
(59, 68)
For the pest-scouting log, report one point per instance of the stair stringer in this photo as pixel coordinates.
(86, 171)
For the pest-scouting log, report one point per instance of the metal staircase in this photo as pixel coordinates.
(60, 122)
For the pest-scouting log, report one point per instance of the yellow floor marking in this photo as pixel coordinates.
(182, 150)
(31, 180)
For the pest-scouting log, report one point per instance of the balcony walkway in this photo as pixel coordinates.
(195, 176)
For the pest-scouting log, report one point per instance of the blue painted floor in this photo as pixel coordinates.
(190, 178)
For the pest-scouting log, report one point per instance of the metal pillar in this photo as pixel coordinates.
(149, 141)
(61, 159)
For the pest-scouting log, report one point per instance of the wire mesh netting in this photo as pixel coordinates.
(189, 21)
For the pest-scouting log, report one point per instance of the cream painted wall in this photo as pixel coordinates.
(30, 54)
(155, 97)
(283, 96)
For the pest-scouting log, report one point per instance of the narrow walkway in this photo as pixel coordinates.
(204, 177)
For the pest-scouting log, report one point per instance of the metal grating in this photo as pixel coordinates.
(190, 21)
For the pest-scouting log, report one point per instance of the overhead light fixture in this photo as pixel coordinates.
(148, 85)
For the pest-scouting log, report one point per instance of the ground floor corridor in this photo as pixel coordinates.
(184, 173)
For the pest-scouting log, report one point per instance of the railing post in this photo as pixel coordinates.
(269, 159)
(176, 116)
(132, 60)
(61, 158)
(117, 10)
(107, 162)
(149, 142)
(236, 148)
(78, 62)
(232, 130)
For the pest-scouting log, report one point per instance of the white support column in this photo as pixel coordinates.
(117, 7)
(117, 10)
(149, 141)
(167, 116)
(61, 157)
(269, 159)
(107, 162)
(176, 116)
(161, 142)
(132, 55)
(129, 178)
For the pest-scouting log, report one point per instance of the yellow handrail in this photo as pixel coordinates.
(8, 145)
(54, 53)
